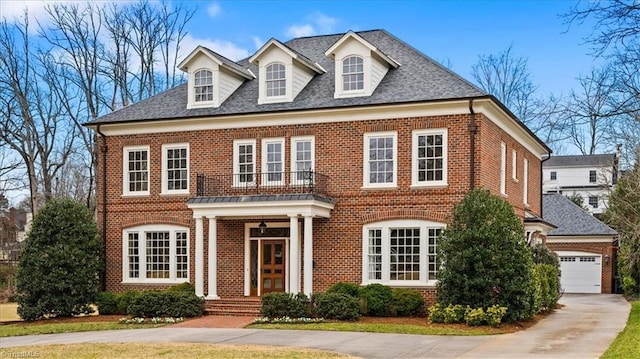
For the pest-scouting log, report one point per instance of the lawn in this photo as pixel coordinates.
(8, 312)
(158, 350)
(43, 327)
(440, 329)
(627, 344)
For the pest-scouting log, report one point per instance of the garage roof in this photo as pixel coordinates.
(570, 219)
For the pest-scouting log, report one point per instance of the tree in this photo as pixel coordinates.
(485, 258)
(58, 268)
(623, 214)
(578, 200)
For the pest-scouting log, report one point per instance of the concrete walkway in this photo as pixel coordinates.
(584, 328)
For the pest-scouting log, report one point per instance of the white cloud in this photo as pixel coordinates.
(214, 9)
(225, 48)
(257, 42)
(300, 30)
(13, 10)
(324, 22)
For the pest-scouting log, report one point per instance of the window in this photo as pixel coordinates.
(175, 169)
(503, 168)
(592, 176)
(136, 170)
(380, 159)
(514, 163)
(244, 166)
(553, 175)
(352, 73)
(276, 80)
(302, 159)
(203, 86)
(272, 161)
(525, 180)
(401, 252)
(567, 259)
(156, 253)
(593, 201)
(429, 164)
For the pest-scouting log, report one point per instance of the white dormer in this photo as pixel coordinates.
(212, 77)
(282, 72)
(360, 66)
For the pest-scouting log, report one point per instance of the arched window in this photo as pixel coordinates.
(352, 73)
(276, 80)
(203, 86)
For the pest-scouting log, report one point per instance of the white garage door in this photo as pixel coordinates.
(580, 272)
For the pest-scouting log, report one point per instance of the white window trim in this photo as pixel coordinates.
(340, 92)
(264, 181)
(385, 226)
(286, 83)
(125, 171)
(192, 103)
(165, 179)
(236, 164)
(503, 168)
(414, 158)
(525, 180)
(366, 168)
(514, 165)
(293, 155)
(142, 253)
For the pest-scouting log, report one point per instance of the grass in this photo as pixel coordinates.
(627, 344)
(385, 328)
(9, 312)
(19, 329)
(160, 350)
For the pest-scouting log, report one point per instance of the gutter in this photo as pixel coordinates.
(473, 129)
(103, 150)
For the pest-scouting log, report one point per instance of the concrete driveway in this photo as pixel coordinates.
(584, 328)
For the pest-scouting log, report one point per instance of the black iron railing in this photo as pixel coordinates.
(261, 183)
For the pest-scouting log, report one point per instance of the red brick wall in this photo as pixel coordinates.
(339, 155)
(597, 248)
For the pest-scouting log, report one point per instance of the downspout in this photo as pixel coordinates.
(103, 150)
(541, 180)
(473, 129)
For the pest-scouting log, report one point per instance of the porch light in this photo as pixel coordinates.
(262, 226)
(606, 259)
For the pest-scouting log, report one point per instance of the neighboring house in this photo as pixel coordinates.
(591, 177)
(318, 160)
(587, 247)
(14, 225)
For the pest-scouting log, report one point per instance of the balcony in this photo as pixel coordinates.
(300, 182)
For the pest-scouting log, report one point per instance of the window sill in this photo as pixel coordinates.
(156, 281)
(379, 188)
(174, 194)
(134, 195)
(439, 185)
(408, 284)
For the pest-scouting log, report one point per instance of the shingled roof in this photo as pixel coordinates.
(570, 219)
(418, 78)
(581, 161)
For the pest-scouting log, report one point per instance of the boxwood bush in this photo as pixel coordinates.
(351, 289)
(125, 299)
(406, 302)
(376, 300)
(168, 303)
(338, 306)
(107, 303)
(278, 305)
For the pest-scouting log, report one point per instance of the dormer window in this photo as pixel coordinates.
(353, 73)
(276, 80)
(203, 86)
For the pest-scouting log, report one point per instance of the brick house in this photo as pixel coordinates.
(317, 160)
(587, 248)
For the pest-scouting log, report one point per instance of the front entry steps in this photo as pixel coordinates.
(247, 306)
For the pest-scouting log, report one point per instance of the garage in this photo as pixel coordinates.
(580, 272)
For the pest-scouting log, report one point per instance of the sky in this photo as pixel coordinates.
(455, 33)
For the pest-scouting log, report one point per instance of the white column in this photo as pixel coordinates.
(294, 255)
(308, 255)
(213, 260)
(199, 258)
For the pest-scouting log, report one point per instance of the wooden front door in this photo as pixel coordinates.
(272, 266)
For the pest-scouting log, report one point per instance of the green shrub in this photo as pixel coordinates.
(107, 303)
(488, 261)
(629, 286)
(454, 313)
(436, 313)
(351, 289)
(475, 317)
(376, 300)
(406, 302)
(493, 315)
(183, 287)
(547, 284)
(155, 303)
(336, 305)
(125, 299)
(277, 305)
(58, 269)
(543, 255)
